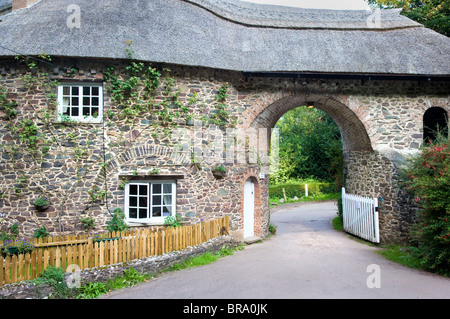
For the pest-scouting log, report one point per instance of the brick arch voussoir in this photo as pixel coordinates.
(353, 130)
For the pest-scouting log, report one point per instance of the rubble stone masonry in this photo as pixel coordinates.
(82, 167)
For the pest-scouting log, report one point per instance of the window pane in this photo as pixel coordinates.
(86, 90)
(86, 101)
(133, 189)
(66, 90)
(75, 111)
(95, 101)
(167, 200)
(156, 188)
(66, 101)
(167, 188)
(133, 201)
(142, 189)
(156, 200)
(95, 111)
(95, 90)
(156, 212)
(86, 111)
(75, 101)
(167, 211)
(142, 201)
(75, 90)
(66, 110)
(142, 213)
(133, 213)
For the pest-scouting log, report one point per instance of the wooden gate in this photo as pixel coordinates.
(360, 216)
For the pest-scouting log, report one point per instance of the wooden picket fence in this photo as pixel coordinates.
(120, 247)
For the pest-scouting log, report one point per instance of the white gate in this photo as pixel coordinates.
(360, 216)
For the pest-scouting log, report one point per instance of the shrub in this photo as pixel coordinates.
(427, 177)
(40, 232)
(117, 223)
(297, 188)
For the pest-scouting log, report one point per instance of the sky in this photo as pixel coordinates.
(319, 4)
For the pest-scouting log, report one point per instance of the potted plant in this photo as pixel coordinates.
(41, 204)
(17, 246)
(219, 171)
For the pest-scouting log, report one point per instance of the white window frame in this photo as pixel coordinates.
(80, 118)
(149, 220)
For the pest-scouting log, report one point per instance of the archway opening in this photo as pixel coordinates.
(435, 124)
(309, 152)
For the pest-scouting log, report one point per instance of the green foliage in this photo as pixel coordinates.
(173, 221)
(407, 256)
(17, 246)
(433, 14)
(427, 178)
(272, 229)
(294, 188)
(117, 223)
(309, 147)
(221, 115)
(131, 277)
(40, 232)
(41, 202)
(220, 168)
(54, 276)
(8, 107)
(88, 223)
(92, 290)
(203, 259)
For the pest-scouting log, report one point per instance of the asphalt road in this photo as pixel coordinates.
(306, 259)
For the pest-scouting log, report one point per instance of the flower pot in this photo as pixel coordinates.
(219, 174)
(42, 208)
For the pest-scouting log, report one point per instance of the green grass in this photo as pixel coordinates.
(319, 197)
(204, 259)
(338, 224)
(401, 255)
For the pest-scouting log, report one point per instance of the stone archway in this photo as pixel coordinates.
(366, 171)
(353, 131)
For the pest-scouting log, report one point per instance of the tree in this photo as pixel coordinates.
(433, 14)
(309, 146)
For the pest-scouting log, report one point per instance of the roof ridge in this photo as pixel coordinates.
(263, 15)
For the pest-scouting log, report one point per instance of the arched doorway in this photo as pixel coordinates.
(249, 208)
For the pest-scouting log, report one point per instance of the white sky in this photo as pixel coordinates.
(319, 4)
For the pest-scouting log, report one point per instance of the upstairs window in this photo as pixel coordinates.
(150, 201)
(80, 102)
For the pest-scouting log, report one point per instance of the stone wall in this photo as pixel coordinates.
(74, 165)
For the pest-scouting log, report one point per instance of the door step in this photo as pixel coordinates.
(251, 240)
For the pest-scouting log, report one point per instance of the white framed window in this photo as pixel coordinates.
(80, 102)
(150, 201)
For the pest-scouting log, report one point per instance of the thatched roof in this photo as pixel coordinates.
(230, 34)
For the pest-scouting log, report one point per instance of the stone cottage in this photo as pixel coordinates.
(158, 108)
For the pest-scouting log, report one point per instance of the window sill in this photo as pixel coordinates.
(149, 223)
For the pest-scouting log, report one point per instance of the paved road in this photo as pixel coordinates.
(306, 259)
